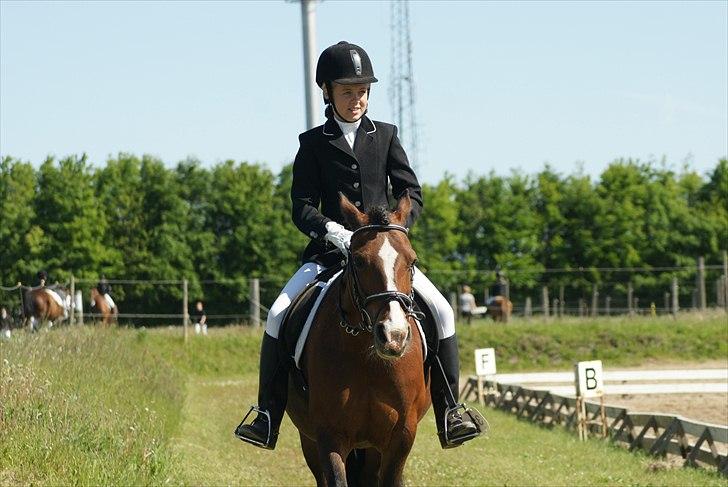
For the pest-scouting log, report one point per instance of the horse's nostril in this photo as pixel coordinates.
(381, 336)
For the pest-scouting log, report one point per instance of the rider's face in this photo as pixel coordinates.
(351, 100)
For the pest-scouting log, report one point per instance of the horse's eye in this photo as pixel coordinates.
(359, 261)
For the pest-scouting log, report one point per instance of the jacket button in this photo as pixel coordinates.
(354, 166)
(357, 203)
(313, 234)
(356, 185)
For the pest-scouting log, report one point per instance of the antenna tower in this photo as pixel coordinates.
(402, 88)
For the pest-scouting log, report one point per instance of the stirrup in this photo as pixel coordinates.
(267, 444)
(481, 425)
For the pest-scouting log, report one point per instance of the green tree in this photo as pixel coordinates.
(435, 236)
(71, 219)
(21, 241)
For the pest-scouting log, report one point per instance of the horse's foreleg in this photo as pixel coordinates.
(394, 458)
(311, 454)
(331, 456)
(372, 466)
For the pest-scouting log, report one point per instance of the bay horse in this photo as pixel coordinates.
(40, 307)
(363, 360)
(500, 308)
(101, 307)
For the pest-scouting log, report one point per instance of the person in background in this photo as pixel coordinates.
(200, 318)
(6, 323)
(467, 303)
(499, 288)
(42, 277)
(104, 289)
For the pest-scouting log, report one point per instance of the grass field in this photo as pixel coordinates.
(133, 407)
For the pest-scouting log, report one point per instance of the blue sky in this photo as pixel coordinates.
(499, 86)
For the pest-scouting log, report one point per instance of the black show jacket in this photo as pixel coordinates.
(325, 165)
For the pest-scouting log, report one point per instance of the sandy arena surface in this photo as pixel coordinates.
(703, 408)
(710, 408)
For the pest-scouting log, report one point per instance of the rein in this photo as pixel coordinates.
(361, 301)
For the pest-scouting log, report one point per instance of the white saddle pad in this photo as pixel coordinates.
(307, 326)
(56, 297)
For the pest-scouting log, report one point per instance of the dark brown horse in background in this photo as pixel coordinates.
(500, 308)
(363, 360)
(40, 307)
(100, 306)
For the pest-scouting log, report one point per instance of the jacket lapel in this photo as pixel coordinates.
(336, 137)
(364, 137)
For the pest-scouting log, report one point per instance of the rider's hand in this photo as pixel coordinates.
(338, 235)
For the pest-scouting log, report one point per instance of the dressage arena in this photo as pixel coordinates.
(120, 406)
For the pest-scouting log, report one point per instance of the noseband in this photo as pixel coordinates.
(361, 301)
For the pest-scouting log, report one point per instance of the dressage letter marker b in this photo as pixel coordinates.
(589, 379)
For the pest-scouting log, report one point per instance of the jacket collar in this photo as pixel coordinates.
(364, 136)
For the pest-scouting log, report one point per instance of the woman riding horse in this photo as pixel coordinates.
(42, 304)
(357, 157)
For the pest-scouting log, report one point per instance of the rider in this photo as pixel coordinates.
(104, 289)
(499, 288)
(356, 156)
(42, 277)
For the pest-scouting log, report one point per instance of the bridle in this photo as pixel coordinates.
(361, 301)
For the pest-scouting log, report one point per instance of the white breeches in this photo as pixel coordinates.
(439, 306)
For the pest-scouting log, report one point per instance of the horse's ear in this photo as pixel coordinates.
(404, 205)
(352, 216)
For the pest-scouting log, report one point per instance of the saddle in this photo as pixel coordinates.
(302, 310)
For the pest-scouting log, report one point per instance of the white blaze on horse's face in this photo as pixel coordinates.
(396, 327)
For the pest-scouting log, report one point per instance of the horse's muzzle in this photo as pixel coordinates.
(391, 342)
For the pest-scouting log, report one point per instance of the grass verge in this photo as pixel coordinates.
(619, 341)
(86, 406)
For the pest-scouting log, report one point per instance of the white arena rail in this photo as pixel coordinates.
(617, 376)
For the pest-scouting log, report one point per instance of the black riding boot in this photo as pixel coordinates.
(453, 427)
(272, 396)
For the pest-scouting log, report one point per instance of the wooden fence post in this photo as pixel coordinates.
(555, 306)
(185, 311)
(561, 300)
(630, 303)
(608, 305)
(667, 302)
(700, 284)
(675, 301)
(595, 300)
(72, 319)
(255, 301)
(545, 301)
(719, 292)
(528, 310)
(582, 307)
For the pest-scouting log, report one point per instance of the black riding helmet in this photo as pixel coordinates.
(343, 63)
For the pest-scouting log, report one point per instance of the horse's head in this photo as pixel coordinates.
(380, 270)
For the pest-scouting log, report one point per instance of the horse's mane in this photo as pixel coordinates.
(378, 215)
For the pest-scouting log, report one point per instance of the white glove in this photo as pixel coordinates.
(338, 235)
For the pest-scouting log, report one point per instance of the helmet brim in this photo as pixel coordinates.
(355, 81)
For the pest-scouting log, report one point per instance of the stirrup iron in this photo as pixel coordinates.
(260, 444)
(481, 425)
